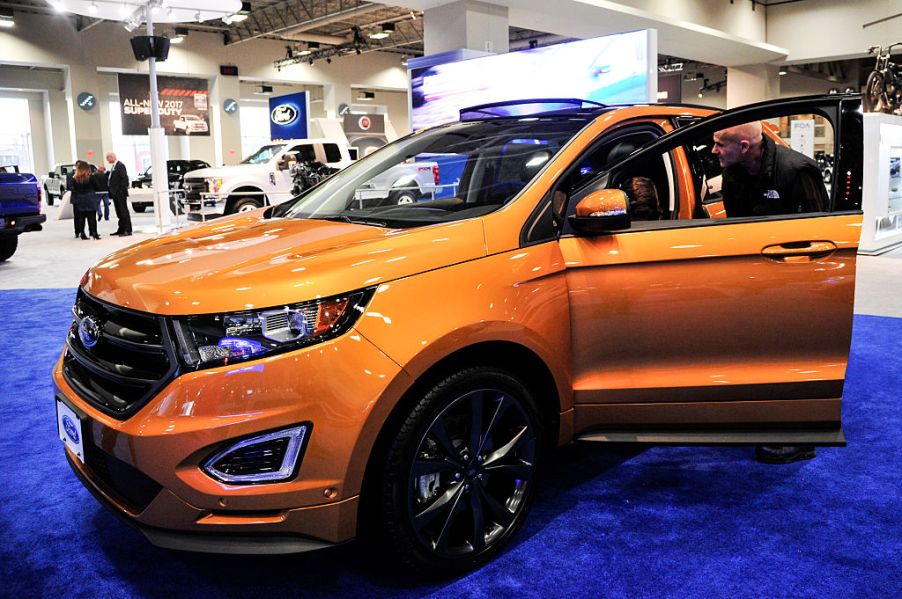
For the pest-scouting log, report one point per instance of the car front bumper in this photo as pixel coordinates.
(147, 468)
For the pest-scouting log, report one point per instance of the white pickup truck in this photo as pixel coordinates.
(55, 182)
(265, 178)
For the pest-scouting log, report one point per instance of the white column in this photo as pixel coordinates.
(754, 83)
(158, 149)
(466, 24)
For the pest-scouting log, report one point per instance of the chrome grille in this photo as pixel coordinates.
(193, 188)
(121, 360)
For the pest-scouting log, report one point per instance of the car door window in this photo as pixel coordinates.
(609, 149)
(303, 153)
(333, 154)
(717, 181)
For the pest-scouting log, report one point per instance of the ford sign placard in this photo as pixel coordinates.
(284, 114)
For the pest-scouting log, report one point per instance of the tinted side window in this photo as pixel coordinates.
(303, 153)
(608, 149)
(333, 154)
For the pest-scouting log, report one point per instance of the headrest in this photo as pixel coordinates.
(620, 151)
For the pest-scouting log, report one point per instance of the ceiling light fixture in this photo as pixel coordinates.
(7, 18)
(386, 31)
(239, 16)
(179, 36)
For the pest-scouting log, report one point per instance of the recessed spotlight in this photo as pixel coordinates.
(387, 30)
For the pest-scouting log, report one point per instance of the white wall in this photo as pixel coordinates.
(820, 30)
(737, 18)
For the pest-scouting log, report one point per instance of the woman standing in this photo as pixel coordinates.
(84, 199)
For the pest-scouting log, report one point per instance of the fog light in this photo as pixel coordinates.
(273, 457)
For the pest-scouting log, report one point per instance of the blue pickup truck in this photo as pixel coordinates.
(20, 208)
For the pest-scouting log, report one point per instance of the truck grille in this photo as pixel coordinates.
(117, 359)
(193, 188)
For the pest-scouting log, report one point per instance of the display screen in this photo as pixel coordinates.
(613, 69)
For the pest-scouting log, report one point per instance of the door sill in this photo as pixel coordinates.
(820, 438)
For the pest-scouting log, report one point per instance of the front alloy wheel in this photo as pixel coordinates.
(462, 470)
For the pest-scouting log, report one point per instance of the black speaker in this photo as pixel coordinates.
(145, 46)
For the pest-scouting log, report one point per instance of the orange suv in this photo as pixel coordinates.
(280, 380)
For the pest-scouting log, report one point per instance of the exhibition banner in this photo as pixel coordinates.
(614, 69)
(183, 104)
(288, 116)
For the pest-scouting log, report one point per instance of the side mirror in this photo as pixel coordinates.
(600, 212)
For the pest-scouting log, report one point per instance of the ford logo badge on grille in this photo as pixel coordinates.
(71, 429)
(284, 114)
(89, 332)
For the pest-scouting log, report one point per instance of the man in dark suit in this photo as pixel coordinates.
(119, 193)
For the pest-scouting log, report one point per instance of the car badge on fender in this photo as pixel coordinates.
(89, 332)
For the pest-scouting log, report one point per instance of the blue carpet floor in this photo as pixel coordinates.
(616, 522)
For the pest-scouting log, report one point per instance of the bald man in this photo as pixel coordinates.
(761, 178)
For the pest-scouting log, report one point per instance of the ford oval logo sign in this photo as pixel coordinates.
(284, 114)
(71, 429)
(89, 332)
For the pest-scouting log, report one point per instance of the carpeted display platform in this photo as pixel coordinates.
(609, 522)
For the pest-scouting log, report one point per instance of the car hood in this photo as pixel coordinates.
(247, 261)
(235, 170)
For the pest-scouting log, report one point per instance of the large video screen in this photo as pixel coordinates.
(612, 69)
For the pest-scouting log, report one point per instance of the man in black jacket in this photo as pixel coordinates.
(761, 178)
(119, 193)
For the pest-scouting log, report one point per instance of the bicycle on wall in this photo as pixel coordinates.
(883, 91)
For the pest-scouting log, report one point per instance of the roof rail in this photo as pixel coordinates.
(521, 108)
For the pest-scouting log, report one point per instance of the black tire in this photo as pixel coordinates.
(8, 245)
(245, 205)
(450, 498)
(403, 197)
(873, 92)
(139, 207)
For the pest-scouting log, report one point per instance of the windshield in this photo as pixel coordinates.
(443, 174)
(263, 155)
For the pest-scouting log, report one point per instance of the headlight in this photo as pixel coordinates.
(219, 339)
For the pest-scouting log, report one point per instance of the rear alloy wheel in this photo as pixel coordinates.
(403, 197)
(460, 474)
(8, 245)
(246, 205)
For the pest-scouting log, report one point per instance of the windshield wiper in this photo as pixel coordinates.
(344, 218)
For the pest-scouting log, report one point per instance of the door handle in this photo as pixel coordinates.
(799, 251)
